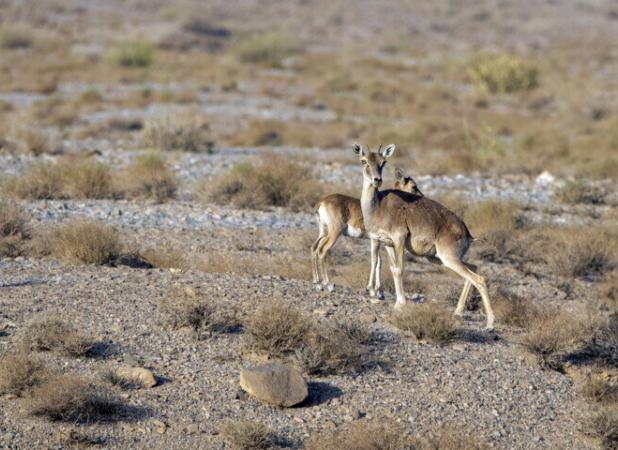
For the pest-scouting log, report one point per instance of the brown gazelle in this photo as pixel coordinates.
(422, 226)
(341, 214)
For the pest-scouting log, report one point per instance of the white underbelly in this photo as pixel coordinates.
(353, 232)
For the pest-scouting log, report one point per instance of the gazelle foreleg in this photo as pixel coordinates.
(395, 256)
(374, 286)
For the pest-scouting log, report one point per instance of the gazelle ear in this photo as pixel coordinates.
(398, 174)
(358, 150)
(388, 151)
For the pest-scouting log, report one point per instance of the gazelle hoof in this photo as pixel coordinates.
(317, 287)
(399, 304)
(380, 294)
(459, 313)
(330, 287)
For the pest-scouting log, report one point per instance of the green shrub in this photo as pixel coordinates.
(268, 49)
(131, 54)
(502, 73)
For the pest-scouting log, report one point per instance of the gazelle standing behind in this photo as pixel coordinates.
(422, 226)
(341, 214)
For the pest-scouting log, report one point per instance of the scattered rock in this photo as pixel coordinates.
(136, 376)
(274, 383)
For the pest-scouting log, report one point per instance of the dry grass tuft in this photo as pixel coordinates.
(275, 181)
(551, 334)
(363, 435)
(12, 39)
(13, 229)
(609, 291)
(72, 399)
(86, 178)
(202, 315)
(57, 336)
(69, 178)
(603, 425)
(267, 49)
(42, 181)
(20, 372)
(580, 191)
(86, 242)
(277, 328)
(148, 176)
(511, 309)
(131, 54)
(426, 321)
(578, 252)
(183, 134)
(334, 348)
(495, 222)
(247, 435)
(600, 388)
(164, 258)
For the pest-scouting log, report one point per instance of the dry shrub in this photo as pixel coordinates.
(57, 336)
(80, 241)
(604, 343)
(78, 439)
(495, 222)
(580, 191)
(86, 178)
(609, 291)
(13, 229)
(12, 39)
(335, 348)
(148, 176)
(164, 258)
(70, 178)
(551, 334)
(577, 252)
(426, 321)
(42, 181)
(275, 181)
(204, 316)
(268, 49)
(72, 399)
(247, 435)
(502, 73)
(386, 434)
(363, 435)
(603, 425)
(20, 371)
(36, 141)
(277, 328)
(511, 309)
(184, 134)
(600, 388)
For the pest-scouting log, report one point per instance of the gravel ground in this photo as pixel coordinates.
(481, 383)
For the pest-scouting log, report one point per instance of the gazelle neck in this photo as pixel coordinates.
(369, 200)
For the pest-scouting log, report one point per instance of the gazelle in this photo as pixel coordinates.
(341, 214)
(422, 226)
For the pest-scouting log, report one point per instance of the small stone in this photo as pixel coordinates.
(274, 383)
(159, 426)
(137, 376)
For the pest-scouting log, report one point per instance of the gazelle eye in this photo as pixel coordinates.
(363, 162)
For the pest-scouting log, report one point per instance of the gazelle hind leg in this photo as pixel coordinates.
(326, 244)
(457, 266)
(314, 261)
(461, 303)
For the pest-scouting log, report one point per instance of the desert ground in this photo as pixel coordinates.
(159, 167)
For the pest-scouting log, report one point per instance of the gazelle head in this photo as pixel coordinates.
(406, 183)
(373, 163)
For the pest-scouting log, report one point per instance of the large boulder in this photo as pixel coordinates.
(274, 383)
